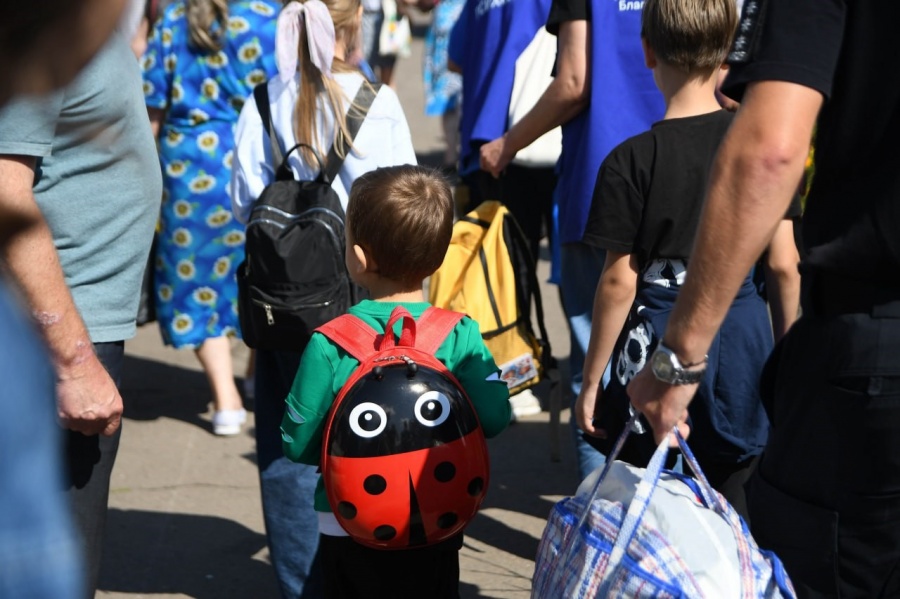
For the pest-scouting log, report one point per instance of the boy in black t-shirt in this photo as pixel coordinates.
(645, 212)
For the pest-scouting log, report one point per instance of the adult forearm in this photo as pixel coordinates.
(756, 172)
(88, 400)
(562, 101)
(566, 96)
(31, 258)
(755, 176)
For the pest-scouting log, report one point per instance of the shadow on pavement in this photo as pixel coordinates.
(199, 556)
(523, 480)
(152, 390)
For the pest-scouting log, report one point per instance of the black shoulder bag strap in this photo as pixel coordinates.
(359, 108)
(261, 95)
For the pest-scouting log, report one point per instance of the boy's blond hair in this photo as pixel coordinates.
(694, 35)
(403, 217)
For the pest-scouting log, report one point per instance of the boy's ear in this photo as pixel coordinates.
(649, 54)
(365, 262)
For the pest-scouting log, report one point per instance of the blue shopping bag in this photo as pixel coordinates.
(633, 532)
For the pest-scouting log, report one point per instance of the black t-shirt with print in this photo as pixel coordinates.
(650, 189)
(848, 51)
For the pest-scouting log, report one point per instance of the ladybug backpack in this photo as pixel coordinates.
(404, 459)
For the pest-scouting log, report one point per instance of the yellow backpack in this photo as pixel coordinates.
(489, 274)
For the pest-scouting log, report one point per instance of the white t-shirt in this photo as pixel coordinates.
(382, 140)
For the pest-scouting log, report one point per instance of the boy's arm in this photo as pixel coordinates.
(479, 376)
(307, 405)
(612, 302)
(566, 96)
(783, 278)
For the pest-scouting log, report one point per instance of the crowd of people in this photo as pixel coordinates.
(705, 283)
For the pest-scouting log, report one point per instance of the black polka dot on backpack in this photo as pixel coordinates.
(385, 532)
(444, 472)
(375, 484)
(346, 510)
(447, 520)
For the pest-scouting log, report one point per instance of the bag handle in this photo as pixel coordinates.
(359, 108)
(407, 334)
(641, 501)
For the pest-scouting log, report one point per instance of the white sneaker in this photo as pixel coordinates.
(228, 422)
(524, 403)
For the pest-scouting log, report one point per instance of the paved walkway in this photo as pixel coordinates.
(185, 517)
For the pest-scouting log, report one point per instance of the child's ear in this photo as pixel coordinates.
(649, 54)
(364, 261)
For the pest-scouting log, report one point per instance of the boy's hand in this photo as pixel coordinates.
(589, 399)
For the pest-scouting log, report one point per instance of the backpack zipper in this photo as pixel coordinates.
(270, 314)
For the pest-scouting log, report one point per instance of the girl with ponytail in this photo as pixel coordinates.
(309, 100)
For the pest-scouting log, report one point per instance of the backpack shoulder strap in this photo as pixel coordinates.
(261, 95)
(359, 108)
(351, 333)
(433, 326)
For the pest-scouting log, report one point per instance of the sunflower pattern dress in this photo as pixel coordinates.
(199, 243)
(443, 88)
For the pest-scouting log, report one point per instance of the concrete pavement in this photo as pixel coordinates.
(185, 518)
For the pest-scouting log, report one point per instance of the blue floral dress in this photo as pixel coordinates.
(442, 87)
(200, 244)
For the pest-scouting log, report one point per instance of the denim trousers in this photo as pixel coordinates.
(580, 269)
(292, 525)
(90, 461)
(39, 554)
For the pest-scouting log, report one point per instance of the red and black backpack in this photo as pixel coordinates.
(404, 458)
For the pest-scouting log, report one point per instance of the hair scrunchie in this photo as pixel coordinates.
(314, 16)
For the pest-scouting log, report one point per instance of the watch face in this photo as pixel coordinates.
(662, 366)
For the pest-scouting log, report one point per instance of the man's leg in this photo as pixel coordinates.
(90, 462)
(580, 268)
(528, 194)
(826, 495)
(292, 526)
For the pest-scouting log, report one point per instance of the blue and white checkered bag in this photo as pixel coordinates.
(652, 533)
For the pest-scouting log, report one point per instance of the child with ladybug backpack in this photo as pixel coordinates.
(393, 401)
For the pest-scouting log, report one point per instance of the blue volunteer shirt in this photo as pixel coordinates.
(624, 101)
(486, 41)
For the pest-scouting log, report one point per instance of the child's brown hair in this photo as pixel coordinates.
(403, 217)
(694, 35)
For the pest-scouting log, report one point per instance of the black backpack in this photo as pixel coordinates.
(293, 278)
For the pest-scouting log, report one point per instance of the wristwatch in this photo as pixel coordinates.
(668, 368)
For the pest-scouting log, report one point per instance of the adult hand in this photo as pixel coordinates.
(663, 405)
(494, 156)
(87, 398)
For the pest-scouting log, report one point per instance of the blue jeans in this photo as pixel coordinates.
(39, 553)
(580, 269)
(292, 526)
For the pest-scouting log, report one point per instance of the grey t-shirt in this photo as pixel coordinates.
(98, 184)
